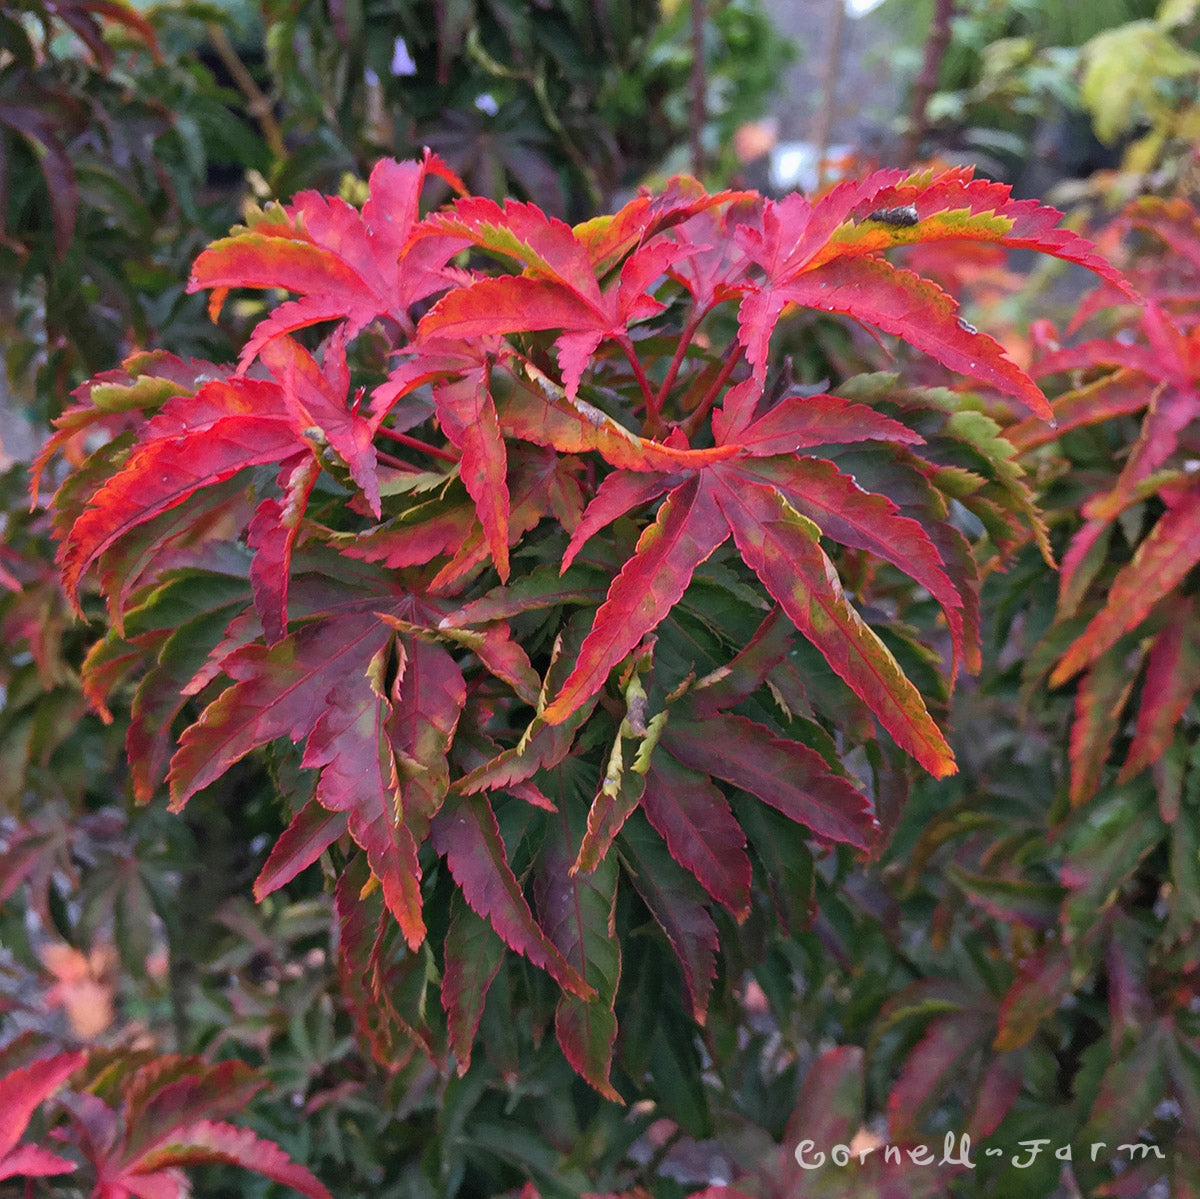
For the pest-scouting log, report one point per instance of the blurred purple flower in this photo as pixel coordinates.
(402, 61)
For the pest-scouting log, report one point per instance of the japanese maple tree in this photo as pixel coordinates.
(511, 530)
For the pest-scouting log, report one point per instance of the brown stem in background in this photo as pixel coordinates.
(823, 126)
(699, 86)
(927, 80)
(258, 104)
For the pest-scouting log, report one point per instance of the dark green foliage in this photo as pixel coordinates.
(1019, 962)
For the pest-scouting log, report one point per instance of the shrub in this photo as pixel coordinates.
(500, 729)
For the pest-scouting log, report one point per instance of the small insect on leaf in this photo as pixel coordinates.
(898, 217)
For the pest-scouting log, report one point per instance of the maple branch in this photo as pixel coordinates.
(694, 421)
(414, 443)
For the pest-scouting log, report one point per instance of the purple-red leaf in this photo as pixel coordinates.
(365, 982)
(169, 1092)
(799, 422)
(617, 798)
(474, 955)
(427, 700)
(468, 418)
(466, 832)
(316, 397)
(21, 1093)
(1034, 996)
(545, 416)
(845, 513)
(345, 265)
(211, 1141)
(931, 1065)
(873, 291)
(578, 911)
(998, 1090)
(278, 692)
(620, 492)
(31, 1161)
(534, 591)
(694, 819)
(783, 549)
(677, 905)
(1172, 678)
(359, 777)
(688, 528)
(1119, 394)
(544, 747)
(1162, 560)
(272, 536)
(788, 776)
(313, 830)
(749, 668)
(163, 473)
(1099, 703)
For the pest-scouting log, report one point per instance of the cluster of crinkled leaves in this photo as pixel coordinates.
(131, 1126)
(556, 595)
(1126, 618)
(41, 107)
(107, 135)
(1055, 984)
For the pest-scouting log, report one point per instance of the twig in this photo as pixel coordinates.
(926, 81)
(256, 102)
(699, 86)
(823, 127)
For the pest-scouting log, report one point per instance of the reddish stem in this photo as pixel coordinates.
(694, 421)
(396, 463)
(685, 340)
(414, 443)
(653, 425)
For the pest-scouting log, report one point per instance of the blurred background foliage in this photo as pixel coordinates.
(130, 140)
(1038, 93)
(1020, 960)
